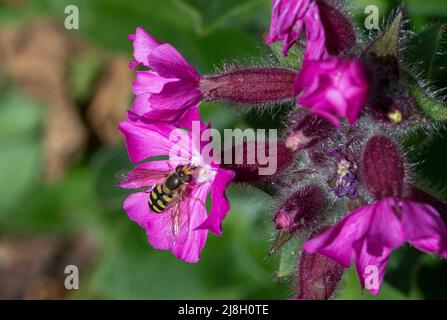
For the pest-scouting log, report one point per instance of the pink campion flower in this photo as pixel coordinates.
(289, 17)
(367, 236)
(333, 88)
(170, 88)
(183, 225)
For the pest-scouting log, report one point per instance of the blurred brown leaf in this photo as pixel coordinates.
(36, 58)
(111, 99)
(33, 268)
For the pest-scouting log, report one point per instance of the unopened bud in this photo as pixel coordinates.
(308, 131)
(299, 209)
(295, 213)
(318, 276)
(249, 172)
(383, 167)
(340, 33)
(256, 86)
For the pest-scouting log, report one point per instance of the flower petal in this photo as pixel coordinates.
(141, 104)
(150, 140)
(337, 241)
(143, 44)
(187, 119)
(168, 63)
(287, 22)
(385, 231)
(315, 34)
(191, 241)
(142, 107)
(220, 205)
(137, 208)
(424, 227)
(185, 245)
(332, 88)
(177, 95)
(150, 82)
(370, 269)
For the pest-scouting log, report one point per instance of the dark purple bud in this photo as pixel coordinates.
(295, 213)
(318, 276)
(250, 86)
(383, 167)
(249, 172)
(300, 209)
(308, 131)
(340, 34)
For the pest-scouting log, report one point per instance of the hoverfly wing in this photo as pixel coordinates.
(141, 178)
(176, 216)
(181, 212)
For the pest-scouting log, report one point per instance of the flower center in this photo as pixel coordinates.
(346, 183)
(204, 174)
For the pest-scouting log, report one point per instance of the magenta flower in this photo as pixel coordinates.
(368, 235)
(170, 88)
(289, 17)
(183, 225)
(332, 89)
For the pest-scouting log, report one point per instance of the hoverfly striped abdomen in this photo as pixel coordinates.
(160, 198)
(162, 195)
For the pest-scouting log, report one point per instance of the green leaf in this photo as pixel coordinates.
(292, 60)
(282, 238)
(289, 259)
(84, 72)
(18, 116)
(351, 290)
(20, 148)
(432, 8)
(20, 168)
(425, 48)
(209, 15)
(435, 109)
(66, 206)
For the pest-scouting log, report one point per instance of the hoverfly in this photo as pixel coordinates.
(169, 191)
(162, 195)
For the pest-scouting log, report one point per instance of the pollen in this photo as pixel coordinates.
(395, 116)
(204, 174)
(343, 167)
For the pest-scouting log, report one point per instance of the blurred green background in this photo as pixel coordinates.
(62, 93)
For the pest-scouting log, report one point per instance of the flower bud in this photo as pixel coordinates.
(248, 171)
(333, 88)
(340, 34)
(307, 132)
(300, 209)
(383, 167)
(250, 86)
(318, 276)
(295, 213)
